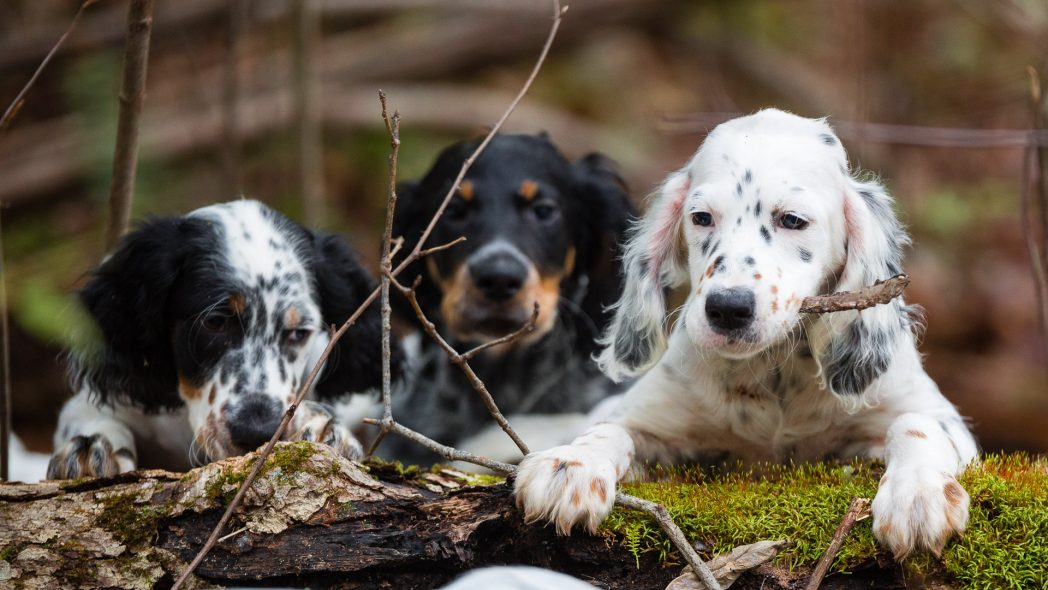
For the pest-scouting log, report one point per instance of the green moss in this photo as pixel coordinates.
(286, 460)
(130, 522)
(1006, 545)
(9, 552)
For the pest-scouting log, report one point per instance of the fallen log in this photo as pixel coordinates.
(316, 519)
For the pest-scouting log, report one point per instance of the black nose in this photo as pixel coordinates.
(252, 421)
(729, 310)
(499, 275)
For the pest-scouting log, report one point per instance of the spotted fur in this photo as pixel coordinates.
(207, 326)
(744, 375)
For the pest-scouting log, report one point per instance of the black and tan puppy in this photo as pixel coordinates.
(539, 229)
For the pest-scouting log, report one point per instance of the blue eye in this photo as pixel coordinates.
(702, 218)
(791, 221)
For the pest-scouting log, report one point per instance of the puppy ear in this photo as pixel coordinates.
(858, 346)
(127, 298)
(654, 258)
(604, 215)
(342, 284)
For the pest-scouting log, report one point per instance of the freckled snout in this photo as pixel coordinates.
(252, 420)
(730, 310)
(498, 275)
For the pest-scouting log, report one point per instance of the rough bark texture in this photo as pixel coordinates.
(311, 519)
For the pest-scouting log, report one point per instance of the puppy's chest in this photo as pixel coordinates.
(782, 412)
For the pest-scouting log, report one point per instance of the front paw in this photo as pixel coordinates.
(566, 485)
(315, 423)
(89, 456)
(918, 509)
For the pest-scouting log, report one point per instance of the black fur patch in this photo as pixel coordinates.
(765, 234)
(854, 360)
(828, 139)
(805, 254)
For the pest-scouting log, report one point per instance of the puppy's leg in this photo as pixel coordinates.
(90, 442)
(315, 422)
(919, 504)
(575, 484)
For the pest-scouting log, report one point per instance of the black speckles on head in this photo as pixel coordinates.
(765, 234)
(718, 264)
(738, 189)
(716, 246)
(748, 177)
(738, 221)
(750, 261)
(706, 244)
(757, 209)
(805, 254)
(828, 139)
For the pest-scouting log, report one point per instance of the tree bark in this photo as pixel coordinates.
(312, 518)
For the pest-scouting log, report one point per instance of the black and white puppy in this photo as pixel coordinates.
(207, 325)
(765, 214)
(539, 229)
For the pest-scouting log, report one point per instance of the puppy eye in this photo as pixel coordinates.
(297, 336)
(544, 211)
(456, 211)
(216, 321)
(702, 218)
(791, 221)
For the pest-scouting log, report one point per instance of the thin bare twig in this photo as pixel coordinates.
(462, 363)
(5, 358)
(449, 453)
(132, 96)
(393, 128)
(1035, 202)
(441, 247)
(16, 104)
(527, 328)
(662, 516)
(876, 294)
(859, 509)
(336, 335)
(236, 24)
(310, 143)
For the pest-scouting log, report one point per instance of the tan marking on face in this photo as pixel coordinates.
(757, 276)
(599, 488)
(569, 261)
(775, 305)
(292, 318)
(709, 271)
(454, 292)
(774, 289)
(237, 303)
(211, 396)
(466, 191)
(916, 434)
(187, 390)
(528, 189)
(954, 492)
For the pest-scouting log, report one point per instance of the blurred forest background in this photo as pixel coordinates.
(624, 78)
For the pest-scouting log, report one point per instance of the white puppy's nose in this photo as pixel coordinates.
(730, 310)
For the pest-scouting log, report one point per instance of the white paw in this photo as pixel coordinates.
(89, 456)
(918, 509)
(566, 485)
(314, 422)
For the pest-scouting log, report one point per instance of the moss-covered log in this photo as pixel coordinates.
(316, 519)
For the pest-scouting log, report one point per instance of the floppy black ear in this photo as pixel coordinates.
(127, 298)
(342, 285)
(415, 208)
(605, 216)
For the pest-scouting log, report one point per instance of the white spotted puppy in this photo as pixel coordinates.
(765, 214)
(207, 326)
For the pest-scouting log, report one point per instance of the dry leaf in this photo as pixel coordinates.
(727, 567)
